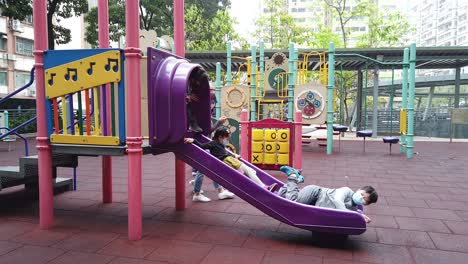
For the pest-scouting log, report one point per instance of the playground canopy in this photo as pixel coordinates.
(426, 57)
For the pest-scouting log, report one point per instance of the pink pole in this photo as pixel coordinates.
(298, 140)
(134, 138)
(179, 46)
(244, 140)
(46, 206)
(103, 21)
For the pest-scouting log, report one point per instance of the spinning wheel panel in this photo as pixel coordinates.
(310, 103)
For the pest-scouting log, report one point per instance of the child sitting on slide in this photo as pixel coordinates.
(217, 148)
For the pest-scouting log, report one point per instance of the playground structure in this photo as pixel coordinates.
(109, 123)
(408, 64)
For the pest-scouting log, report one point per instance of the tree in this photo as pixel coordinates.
(278, 27)
(62, 9)
(155, 15)
(345, 13)
(16, 9)
(322, 38)
(385, 29)
(208, 35)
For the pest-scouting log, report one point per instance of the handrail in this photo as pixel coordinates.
(11, 131)
(26, 148)
(31, 80)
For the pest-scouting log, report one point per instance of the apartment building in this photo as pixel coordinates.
(16, 56)
(440, 22)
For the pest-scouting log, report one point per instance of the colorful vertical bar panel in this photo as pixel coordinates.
(64, 116)
(112, 86)
(80, 114)
(88, 113)
(97, 125)
(121, 104)
(56, 118)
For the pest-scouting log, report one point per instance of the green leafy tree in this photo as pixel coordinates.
(343, 11)
(16, 9)
(58, 9)
(155, 15)
(385, 29)
(209, 35)
(278, 29)
(322, 38)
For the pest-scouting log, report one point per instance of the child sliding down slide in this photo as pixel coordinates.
(217, 148)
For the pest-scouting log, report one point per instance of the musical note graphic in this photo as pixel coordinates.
(51, 80)
(115, 68)
(91, 65)
(74, 77)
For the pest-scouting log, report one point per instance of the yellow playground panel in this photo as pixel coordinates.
(270, 109)
(403, 121)
(270, 146)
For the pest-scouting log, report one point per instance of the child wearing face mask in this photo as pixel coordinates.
(341, 198)
(217, 148)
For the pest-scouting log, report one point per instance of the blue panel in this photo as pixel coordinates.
(121, 102)
(53, 58)
(49, 116)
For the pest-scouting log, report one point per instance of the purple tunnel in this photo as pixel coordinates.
(167, 89)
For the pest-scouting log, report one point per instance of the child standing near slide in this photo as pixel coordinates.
(217, 148)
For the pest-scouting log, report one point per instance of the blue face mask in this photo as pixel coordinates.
(358, 198)
(225, 142)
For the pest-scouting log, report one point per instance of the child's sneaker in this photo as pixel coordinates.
(225, 195)
(200, 198)
(289, 170)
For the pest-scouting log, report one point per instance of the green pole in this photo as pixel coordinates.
(218, 90)
(392, 94)
(261, 76)
(411, 88)
(404, 93)
(228, 65)
(365, 98)
(341, 94)
(253, 109)
(330, 99)
(5, 115)
(291, 82)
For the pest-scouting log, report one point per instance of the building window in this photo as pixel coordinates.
(21, 78)
(28, 19)
(3, 78)
(24, 46)
(3, 41)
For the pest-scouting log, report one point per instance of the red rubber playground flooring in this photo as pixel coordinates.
(421, 216)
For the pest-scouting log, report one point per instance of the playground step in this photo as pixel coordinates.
(58, 160)
(10, 171)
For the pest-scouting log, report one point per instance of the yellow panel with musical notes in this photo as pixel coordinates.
(83, 74)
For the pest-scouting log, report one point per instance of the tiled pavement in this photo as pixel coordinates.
(421, 216)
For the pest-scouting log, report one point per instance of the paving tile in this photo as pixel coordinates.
(28, 254)
(81, 258)
(389, 210)
(369, 236)
(398, 201)
(257, 222)
(318, 249)
(379, 253)
(463, 215)
(87, 241)
(238, 208)
(135, 261)
(10, 229)
(421, 224)
(382, 221)
(281, 258)
(173, 230)
(184, 252)
(223, 236)
(272, 241)
(6, 246)
(457, 227)
(450, 242)
(430, 256)
(450, 205)
(435, 214)
(404, 238)
(233, 255)
(122, 247)
(41, 237)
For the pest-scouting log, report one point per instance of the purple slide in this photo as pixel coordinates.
(167, 83)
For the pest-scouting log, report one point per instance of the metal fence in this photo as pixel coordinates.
(436, 124)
